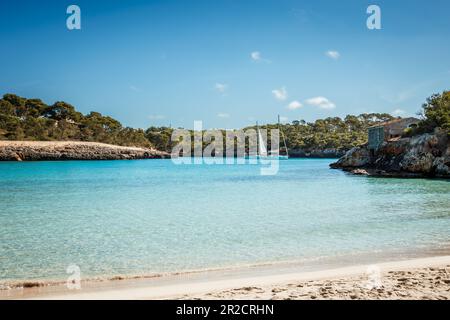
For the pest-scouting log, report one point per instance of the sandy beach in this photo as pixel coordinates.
(425, 278)
(429, 283)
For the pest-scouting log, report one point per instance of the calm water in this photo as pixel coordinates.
(142, 217)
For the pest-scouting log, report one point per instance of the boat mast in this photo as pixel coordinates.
(257, 138)
(282, 134)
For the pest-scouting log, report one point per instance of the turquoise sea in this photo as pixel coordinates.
(151, 216)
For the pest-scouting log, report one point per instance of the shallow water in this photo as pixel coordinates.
(151, 216)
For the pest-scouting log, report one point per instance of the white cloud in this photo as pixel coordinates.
(257, 57)
(333, 54)
(294, 105)
(284, 119)
(223, 115)
(398, 112)
(221, 87)
(156, 117)
(280, 94)
(321, 102)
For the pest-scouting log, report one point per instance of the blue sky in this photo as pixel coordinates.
(226, 62)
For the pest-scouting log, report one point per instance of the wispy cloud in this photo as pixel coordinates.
(398, 97)
(280, 94)
(223, 115)
(321, 102)
(414, 90)
(300, 15)
(398, 112)
(294, 105)
(156, 117)
(221, 87)
(333, 54)
(401, 96)
(135, 89)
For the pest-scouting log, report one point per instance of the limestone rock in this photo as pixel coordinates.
(72, 150)
(356, 157)
(417, 162)
(422, 155)
(360, 172)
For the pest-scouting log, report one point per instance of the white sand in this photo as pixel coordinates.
(427, 278)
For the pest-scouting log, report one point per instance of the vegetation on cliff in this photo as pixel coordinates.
(32, 119)
(435, 114)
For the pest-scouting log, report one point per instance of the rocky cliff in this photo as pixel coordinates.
(72, 150)
(426, 155)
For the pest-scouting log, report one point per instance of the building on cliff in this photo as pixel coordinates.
(389, 130)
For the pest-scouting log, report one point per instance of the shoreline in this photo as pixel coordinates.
(236, 283)
(24, 150)
(316, 263)
(72, 150)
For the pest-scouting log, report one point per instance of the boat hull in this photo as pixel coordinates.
(268, 157)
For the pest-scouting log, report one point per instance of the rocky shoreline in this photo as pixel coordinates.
(317, 153)
(426, 155)
(72, 150)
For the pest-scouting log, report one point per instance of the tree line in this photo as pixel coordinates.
(335, 132)
(32, 119)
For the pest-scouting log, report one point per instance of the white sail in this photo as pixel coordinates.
(261, 146)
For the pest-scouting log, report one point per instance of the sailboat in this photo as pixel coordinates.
(282, 155)
(262, 152)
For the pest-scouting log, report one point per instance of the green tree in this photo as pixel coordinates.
(160, 138)
(7, 108)
(34, 108)
(62, 111)
(436, 113)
